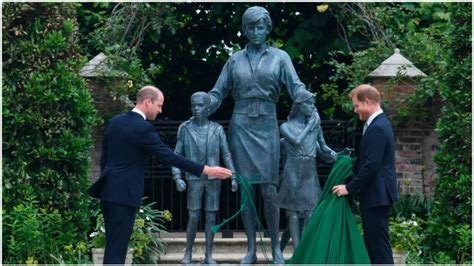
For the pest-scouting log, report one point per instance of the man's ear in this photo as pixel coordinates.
(368, 102)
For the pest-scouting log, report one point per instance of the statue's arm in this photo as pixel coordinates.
(291, 136)
(289, 77)
(225, 152)
(227, 158)
(324, 151)
(221, 88)
(179, 149)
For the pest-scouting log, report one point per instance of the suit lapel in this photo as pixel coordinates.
(364, 139)
(192, 134)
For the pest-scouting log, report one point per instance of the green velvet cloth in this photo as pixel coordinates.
(332, 236)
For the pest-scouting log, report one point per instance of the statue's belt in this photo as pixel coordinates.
(254, 107)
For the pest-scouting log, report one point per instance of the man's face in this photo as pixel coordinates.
(362, 108)
(199, 108)
(257, 32)
(154, 108)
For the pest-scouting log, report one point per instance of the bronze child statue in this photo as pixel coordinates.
(203, 141)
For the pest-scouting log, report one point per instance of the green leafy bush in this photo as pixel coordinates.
(148, 231)
(47, 120)
(409, 204)
(454, 183)
(406, 235)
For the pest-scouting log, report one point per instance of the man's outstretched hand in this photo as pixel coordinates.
(217, 172)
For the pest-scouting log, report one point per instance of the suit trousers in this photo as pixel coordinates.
(376, 236)
(119, 220)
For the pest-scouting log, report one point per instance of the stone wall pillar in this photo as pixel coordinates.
(98, 82)
(416, 141)
(106, 108)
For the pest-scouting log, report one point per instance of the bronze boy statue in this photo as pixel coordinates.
(203, 141)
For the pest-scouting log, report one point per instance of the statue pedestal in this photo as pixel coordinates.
(98, 256)
(399, 257)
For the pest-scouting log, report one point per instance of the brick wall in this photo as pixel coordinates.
(106, 107)
(416, 142)
(415, 147)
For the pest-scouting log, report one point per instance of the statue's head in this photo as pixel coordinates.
(200, 104)
(303, 103)
(256, 24)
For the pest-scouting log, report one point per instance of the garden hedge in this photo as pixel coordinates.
(47, 117)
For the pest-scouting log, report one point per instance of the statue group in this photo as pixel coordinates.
(254, 77)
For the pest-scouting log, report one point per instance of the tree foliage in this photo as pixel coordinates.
(186, 49)
(47, 119)
(453, 188)
(437, 38)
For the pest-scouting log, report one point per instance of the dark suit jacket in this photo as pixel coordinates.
(374, 173)
(129, 140)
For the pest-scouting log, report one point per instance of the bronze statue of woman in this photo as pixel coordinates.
(254, 77)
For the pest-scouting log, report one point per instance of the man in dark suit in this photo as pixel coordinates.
(129, 140)
(374, 179)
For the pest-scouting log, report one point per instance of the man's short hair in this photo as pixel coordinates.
(365, 91)
(204, 95)
(148, 92)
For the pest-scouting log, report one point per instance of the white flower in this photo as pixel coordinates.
(93, 234)
(147, 218)
(102, 229)
(142, 211)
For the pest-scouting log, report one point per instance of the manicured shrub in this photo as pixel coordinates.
(47, 120)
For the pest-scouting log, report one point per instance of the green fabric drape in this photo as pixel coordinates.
(332, 236)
